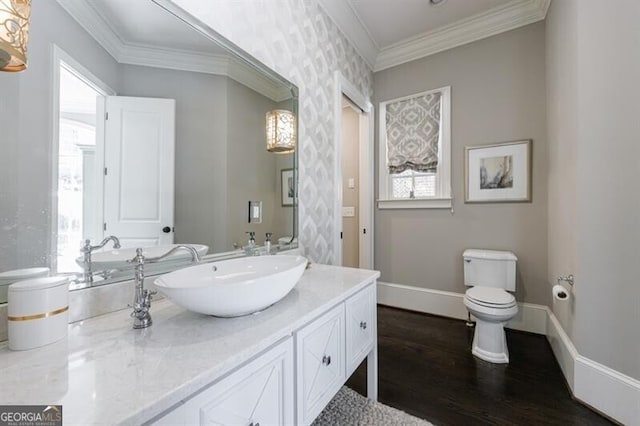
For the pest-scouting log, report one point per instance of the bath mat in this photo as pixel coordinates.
(349, 408)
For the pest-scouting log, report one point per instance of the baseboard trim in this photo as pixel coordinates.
(563, 348)
(607, 391)
(613, 394)
(531, 318)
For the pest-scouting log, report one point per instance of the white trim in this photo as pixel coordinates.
(366, 190)
(95, 24)
(607, 390)
(562, 346)
(61, 58)
(602, 388)
(531, 318)
(427, 203)
(125, 52)
(515, 14)
(343, 87)
(345, 17)
(443, 175)
(512, 15)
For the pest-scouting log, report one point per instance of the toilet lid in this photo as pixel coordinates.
(490, 296)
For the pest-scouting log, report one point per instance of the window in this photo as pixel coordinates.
(415, 151)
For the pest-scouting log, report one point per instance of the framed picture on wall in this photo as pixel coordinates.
(498, 173)
(287, 186)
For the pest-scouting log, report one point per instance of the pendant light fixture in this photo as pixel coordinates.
(281, 131)
(14, 34)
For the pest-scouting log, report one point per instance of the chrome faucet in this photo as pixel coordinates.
(142, 297)
(87, 249)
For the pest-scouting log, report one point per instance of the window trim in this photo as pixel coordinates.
(442, 199)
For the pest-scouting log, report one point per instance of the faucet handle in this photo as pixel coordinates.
(252, 235)
(268, 236)
(138, 259)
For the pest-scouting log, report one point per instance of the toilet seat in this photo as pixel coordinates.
(490, 297)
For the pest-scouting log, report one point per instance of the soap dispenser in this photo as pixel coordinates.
(267, 242)
(250, 249)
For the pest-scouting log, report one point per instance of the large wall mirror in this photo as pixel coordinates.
(134, 120)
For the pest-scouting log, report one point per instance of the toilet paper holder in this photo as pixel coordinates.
(568, 279)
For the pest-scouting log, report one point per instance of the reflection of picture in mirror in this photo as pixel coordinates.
(496, 172)
(287, 187)
(290, 185)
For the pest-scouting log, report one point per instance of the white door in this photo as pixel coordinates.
(139, 170)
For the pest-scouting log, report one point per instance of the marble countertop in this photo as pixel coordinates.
(105, 372)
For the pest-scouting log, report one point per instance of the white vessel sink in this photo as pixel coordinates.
(234, 287)
(117, 259)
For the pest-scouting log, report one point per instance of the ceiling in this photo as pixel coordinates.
(145, 23)
(387, 33)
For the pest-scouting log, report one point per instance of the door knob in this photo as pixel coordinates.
(326, 360)
(166, 229)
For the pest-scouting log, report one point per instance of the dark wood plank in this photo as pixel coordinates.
(426, 369)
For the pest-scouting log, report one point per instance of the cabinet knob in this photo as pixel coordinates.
(326, 359)
(363, 325)
(254, 424)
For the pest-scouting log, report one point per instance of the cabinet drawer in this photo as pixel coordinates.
(320, 363)
(260, 392)
(360, 326)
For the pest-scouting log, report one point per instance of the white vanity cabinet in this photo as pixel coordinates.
(293, 381)
(361, 327)
(259, 393)
(320, 350)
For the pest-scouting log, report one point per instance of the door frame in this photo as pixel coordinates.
(344, 87)
(59, 58)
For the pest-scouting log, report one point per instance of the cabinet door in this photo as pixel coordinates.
(259, 393)
(360, 326)
(320, 363)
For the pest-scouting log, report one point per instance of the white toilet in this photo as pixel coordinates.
(490, 274)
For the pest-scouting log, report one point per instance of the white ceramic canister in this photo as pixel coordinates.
(38, 312)
(9, 277)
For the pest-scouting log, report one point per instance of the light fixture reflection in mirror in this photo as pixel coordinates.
(281, 131)
(14, 34)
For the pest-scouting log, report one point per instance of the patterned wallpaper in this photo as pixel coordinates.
(298, 40)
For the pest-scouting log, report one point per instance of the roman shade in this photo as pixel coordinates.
(413, 132)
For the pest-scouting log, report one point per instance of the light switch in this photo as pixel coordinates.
(348, 211)
(255, 211)
(351, 183)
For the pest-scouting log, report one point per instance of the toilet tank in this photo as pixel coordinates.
(490, 268)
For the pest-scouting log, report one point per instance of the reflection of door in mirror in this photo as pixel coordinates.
(139, 169)
(115, 171)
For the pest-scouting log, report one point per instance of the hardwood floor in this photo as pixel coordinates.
(426, 369)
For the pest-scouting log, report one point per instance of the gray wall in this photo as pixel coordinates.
(25, 204)
(201, 148)
(253, 173)
(593, 48)
(498, 94)
(562, 133)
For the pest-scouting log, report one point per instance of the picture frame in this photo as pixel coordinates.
(287, 187)
(498, 173)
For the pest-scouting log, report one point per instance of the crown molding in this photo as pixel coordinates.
(345, 17)
(492, 22)
(93, 23)
(179, 60)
